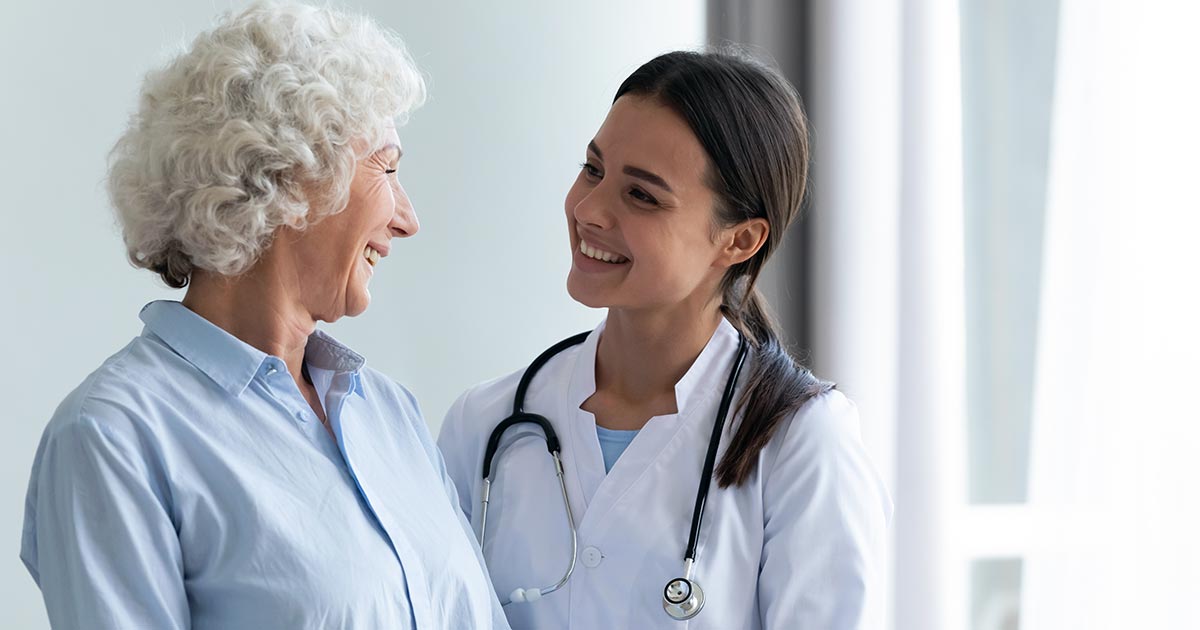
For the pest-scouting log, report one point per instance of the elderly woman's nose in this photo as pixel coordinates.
(404, 219)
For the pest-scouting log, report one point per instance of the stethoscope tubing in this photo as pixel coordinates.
(553, 446)
(710, 458)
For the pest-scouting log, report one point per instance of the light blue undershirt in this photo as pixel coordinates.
(613, 443)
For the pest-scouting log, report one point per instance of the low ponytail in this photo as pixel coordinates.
(751, 123)
(775, 387)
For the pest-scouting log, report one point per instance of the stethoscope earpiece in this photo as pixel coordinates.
(521, 595)
(683, 599)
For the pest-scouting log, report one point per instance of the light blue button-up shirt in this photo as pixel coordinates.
(188, 484)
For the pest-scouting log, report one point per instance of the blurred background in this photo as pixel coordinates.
(999, 260)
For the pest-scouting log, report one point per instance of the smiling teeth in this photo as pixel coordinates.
(599, 254)
(371, 255)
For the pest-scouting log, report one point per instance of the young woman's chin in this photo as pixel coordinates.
(586, 296)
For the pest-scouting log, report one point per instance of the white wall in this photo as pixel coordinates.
(517, 89)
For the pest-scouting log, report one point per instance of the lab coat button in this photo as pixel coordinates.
(592, 557)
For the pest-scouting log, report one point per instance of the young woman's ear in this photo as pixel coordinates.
(743, 240)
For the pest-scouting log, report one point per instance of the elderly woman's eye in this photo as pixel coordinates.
(390, 171)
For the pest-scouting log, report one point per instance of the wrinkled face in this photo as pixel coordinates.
(336, 258)
(640, 214)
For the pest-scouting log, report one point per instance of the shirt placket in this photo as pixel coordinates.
(280, 388)
(343, 423)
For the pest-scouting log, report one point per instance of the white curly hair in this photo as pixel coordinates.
(259, 124)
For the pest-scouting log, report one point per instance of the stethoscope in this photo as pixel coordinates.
(682, 597)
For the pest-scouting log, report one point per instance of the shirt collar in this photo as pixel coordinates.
(326, 353)
(227, 360)
(327, 357)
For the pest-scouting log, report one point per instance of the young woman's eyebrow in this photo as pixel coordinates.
(634, 171)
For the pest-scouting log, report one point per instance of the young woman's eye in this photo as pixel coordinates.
(642, 196)
(591, 171)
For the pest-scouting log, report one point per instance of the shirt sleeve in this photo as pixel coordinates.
(826, 518)
(98, 538)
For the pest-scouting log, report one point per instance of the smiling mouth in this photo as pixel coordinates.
(599, 254)
(372, 255)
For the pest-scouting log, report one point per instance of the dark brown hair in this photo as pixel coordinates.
(750, 121)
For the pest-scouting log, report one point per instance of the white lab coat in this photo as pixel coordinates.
(800, 545)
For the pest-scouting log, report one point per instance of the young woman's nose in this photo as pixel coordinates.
(593, 210)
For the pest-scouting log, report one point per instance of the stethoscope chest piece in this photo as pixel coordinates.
(683, 599)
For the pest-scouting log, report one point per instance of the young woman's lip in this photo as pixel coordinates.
(597, 243)
(588, 264)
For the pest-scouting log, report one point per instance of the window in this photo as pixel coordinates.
(1008, 65)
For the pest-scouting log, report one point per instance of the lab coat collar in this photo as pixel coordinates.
(583, 376)
(696, 385)
(704, 378)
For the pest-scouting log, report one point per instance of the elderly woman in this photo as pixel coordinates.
(232, 467)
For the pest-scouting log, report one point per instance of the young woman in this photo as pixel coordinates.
(685, 191)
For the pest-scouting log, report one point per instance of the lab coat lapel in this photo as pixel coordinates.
(696, 393)
(586, 461)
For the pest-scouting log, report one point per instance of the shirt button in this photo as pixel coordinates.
(591, 557)
(301, 416)
(271, 371)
